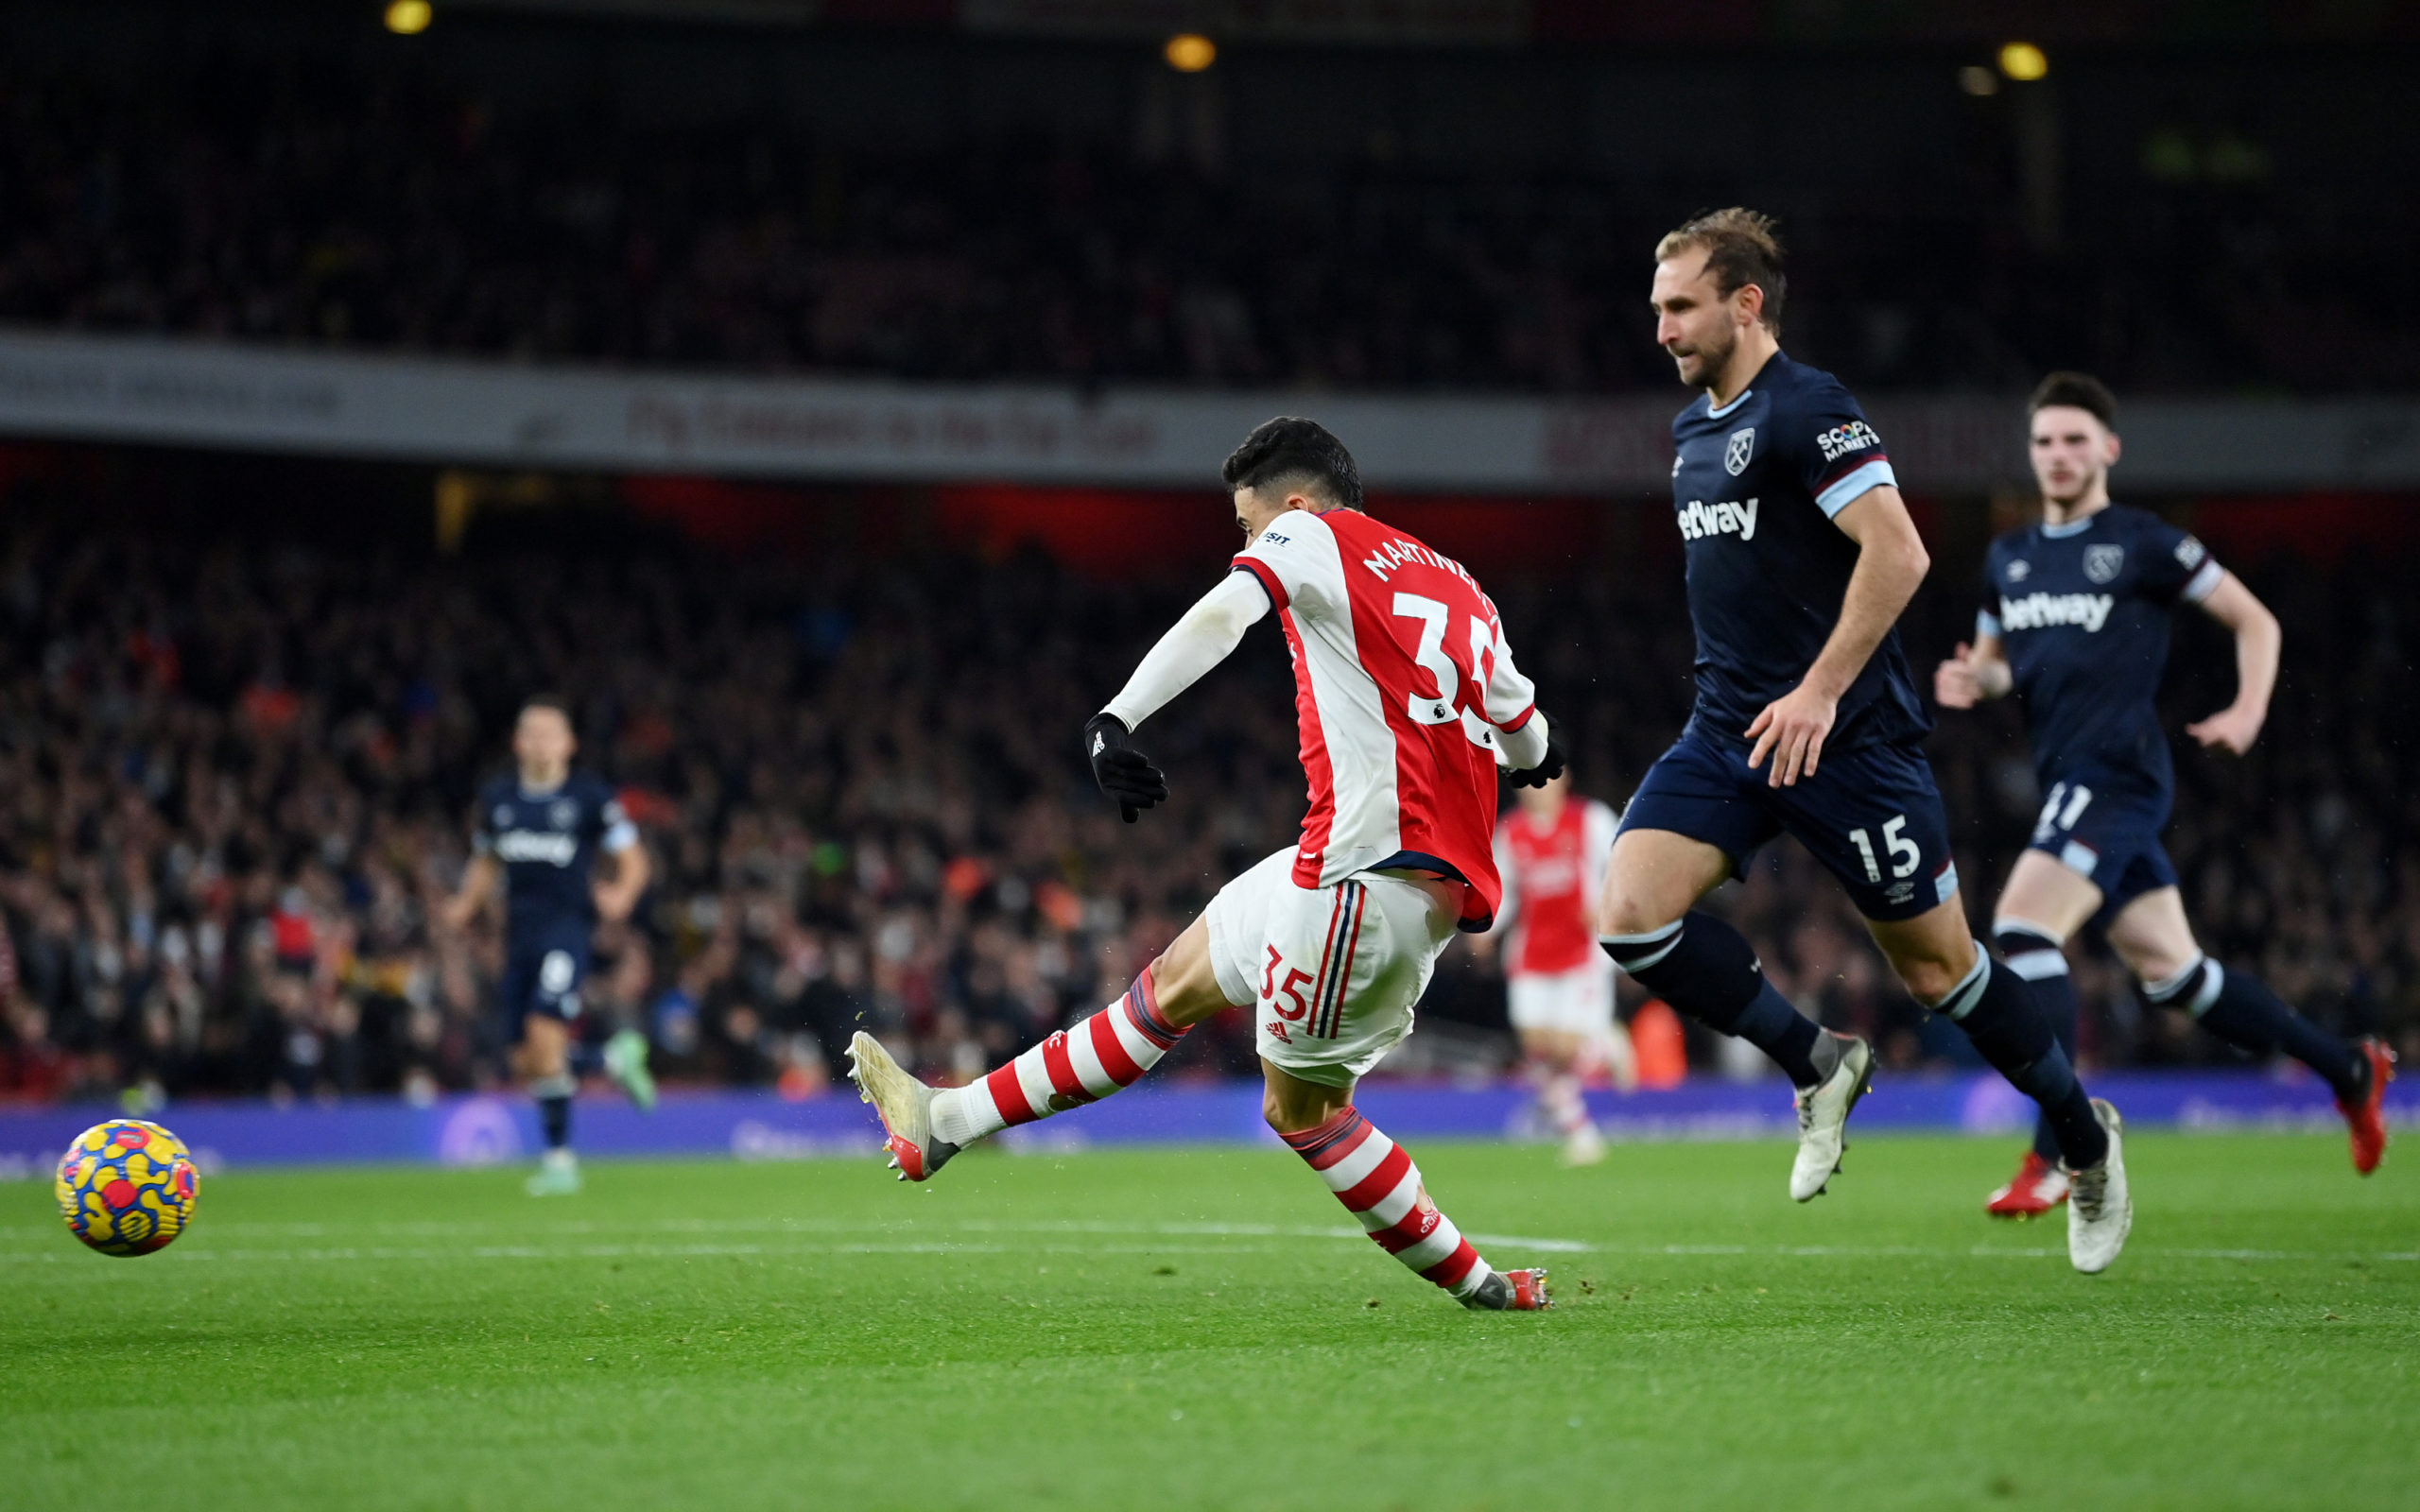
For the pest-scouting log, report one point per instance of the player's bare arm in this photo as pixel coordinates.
(1975, 673)
(1891, 563)
(620, 893)
(2258, 644)
(478, 886)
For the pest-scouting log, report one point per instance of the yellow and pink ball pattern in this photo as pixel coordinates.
(127, 1187)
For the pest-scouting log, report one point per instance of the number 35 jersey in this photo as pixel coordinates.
(1402, 681)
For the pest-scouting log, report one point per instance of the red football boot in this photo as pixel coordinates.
(1511, 1291)
(2367, 1118)
(2038, 1186)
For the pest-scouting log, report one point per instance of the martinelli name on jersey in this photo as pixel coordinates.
(1756, 485)
(2081, 612)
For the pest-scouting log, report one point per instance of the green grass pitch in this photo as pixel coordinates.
(1183, 1330)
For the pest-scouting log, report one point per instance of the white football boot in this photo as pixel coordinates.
(1823, 1117)
(558, 1175)
(906, 1106)
(2099, 1208)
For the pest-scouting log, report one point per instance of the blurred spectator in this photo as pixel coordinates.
(887, 825)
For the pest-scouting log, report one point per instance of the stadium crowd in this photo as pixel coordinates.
(235, 781)
(334, 208)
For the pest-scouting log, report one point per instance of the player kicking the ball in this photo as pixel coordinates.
(1550, 853)
(1405, 693)
(541, 830)
(1801, 555)
(2074, 623)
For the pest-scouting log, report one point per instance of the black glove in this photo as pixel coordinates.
(1549, 766)
(1123, 772)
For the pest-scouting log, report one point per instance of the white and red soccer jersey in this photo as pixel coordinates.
(1402, 681)
(1552, 877)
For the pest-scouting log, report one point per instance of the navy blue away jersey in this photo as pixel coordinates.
(548, 843)
(2081, 612)
(1755, 485)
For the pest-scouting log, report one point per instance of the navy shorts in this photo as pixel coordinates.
(542, 974)
(2107, 832)
(1872, 816)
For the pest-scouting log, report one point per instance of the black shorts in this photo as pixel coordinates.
(2106, 831)
(1873, 817)
(544, 969)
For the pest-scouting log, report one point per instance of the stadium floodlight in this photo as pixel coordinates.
(410, 18)
(2023, 61)
(1189, 52)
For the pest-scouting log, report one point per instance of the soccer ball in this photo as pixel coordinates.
(127, 1187)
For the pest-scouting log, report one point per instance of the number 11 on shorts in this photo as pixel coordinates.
(1896, 843)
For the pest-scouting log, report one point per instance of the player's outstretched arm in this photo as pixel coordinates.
(1206, 635)
(618, 894)
(2258, 642)
(1523, 731)
(1891, 564)
(1973, 674)
(478, 885)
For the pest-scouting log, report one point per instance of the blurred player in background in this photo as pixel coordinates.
(1801, 557)
(1405, 693)
(2074, 623)
(1552, 851)
(542, 829)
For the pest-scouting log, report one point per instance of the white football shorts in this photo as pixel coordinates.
(1579, 1001)
(1330, 973)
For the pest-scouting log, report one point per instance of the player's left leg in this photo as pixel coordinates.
(1375, 1178)
(1359, 953)
(2152, 936)
(2041, 908)
(1949, 970)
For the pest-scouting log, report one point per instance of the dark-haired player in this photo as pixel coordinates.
(542, 829)
(1801, 555)
(2074, 623)
(1407, 695)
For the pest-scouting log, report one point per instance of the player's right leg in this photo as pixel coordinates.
(1691, 817)
(2041, 908)
(1565, 1018)
(545, 1059)
(2150, 934)
(1552, 1060)
(1105, 1053)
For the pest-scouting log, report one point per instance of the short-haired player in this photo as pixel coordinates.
(2075, 625)
(1406, 695)
(1551, 850)
(1801, 555)
(539, 833)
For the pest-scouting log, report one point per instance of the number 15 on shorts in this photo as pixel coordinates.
(1904, 854)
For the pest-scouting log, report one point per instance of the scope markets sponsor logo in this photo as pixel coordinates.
(1837, 443)
(530, 845)
(1730, 518)
(2040, 611)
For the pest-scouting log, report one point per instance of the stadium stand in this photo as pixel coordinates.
(730, 216)
(238, 765)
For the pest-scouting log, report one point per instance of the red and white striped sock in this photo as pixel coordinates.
(1110, 1050)
(1377, 1183)
(1560, 1099)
